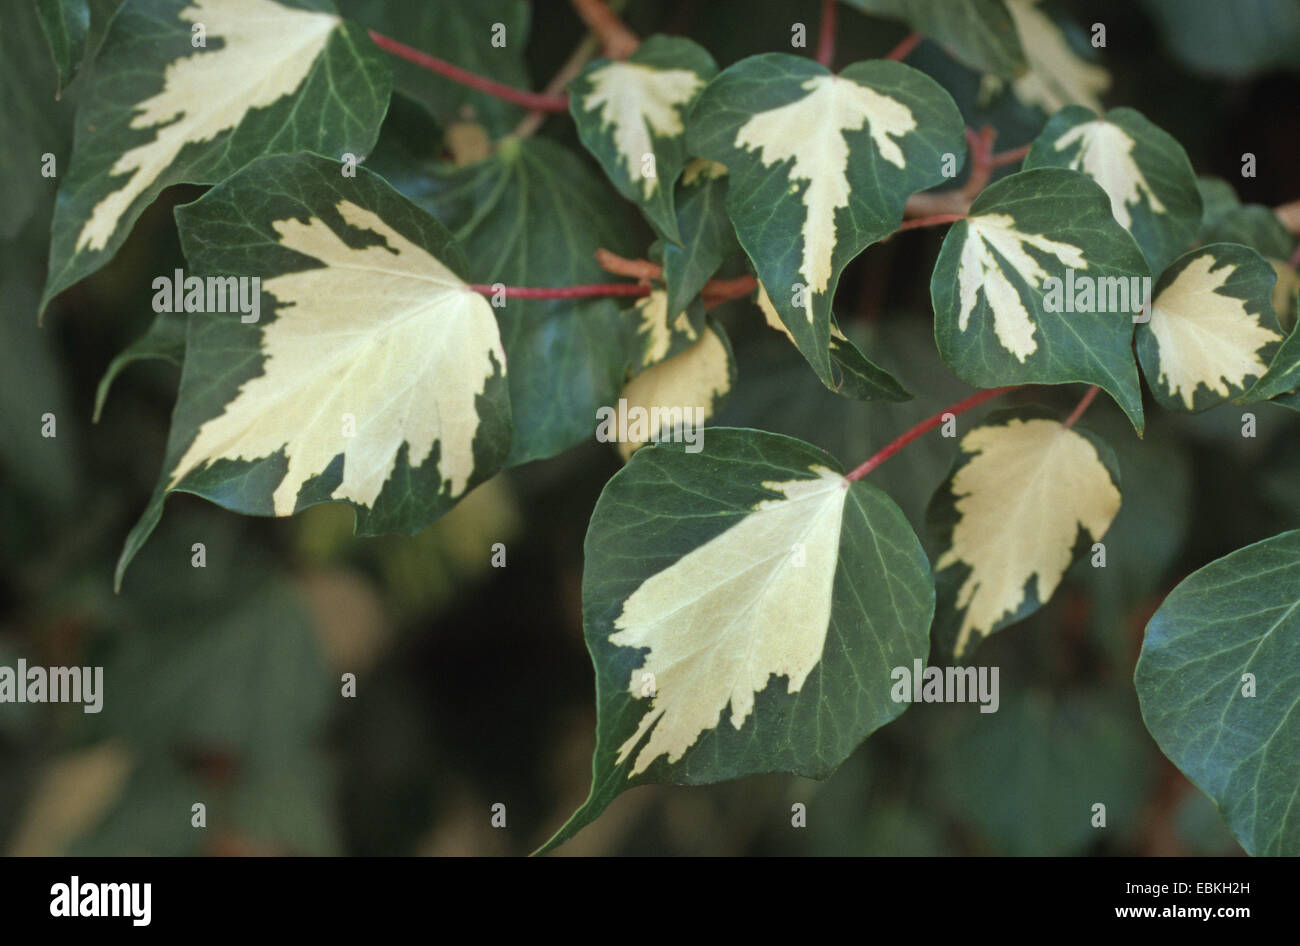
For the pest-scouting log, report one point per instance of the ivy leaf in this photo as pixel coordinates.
(486, 37)
(1058, 76)
(754, 576)
(1027, 495)
(707, 238)
(661, 337)
(854, 376)
(374, 375)
(1212, 331)
(534, 214)
(631, 115)
(696, 379)
(1219, 691)
(1142, 168)
(830, 158)
(1217, 198)
(1008, 274)
(164, 340)
(269, 78)
(979, 33)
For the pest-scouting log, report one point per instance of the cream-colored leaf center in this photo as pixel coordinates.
(265, 52)
(380, 347)
(1204, 336)
(730, 614)
(978, 269)
(656, 327)
(1057, 76)
(636, 100)
(810, 131)
(690, 381)
(1106, 155)
(1021, 500)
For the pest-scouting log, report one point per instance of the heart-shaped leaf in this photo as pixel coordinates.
(1040, 285)
(821, 167)
(1219, 690)
(372, 375)
(752, 576)
(631, 114)
(1212, 331)
(1026, 496)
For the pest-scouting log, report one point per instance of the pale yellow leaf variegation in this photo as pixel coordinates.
(734, 612)
(1057, 76)
(657, 328)
(386, 334)
(978, 269)
(810, 130)
(683, 388)
(773, 318)
(1106, 155)
(258, 52)
(1205, 337)
(1020, 500)
(636, 100)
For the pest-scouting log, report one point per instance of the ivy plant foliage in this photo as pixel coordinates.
(706, 238)
(193, 90)
(66, 24)
(1212, 332)
(1009, 304)
(744, 608)
(1027, 496)
(820, 167)
(631, 114)
(1219, 691)
(979, 33)
(1143, 169)
(373, 376)
(534, 214)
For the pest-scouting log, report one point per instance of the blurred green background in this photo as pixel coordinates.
(474, 686)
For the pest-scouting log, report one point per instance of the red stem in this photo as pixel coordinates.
(507, 93)
(1009, 157)
(1295, 258)
(975, 400)
(565, 292)
(1083, 406)
(826, 41)
(901, 51)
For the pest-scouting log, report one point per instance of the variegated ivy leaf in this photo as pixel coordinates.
(1212, 331)
(707, 238)
(1058, 76)
(820, 166)
(661, 336)
(1219, 690)
(686, 389)
(979, 33)
(853, 375)
(1026, 497)
(744, 609)
(534, 214)
(631, 114)
(371, 375)
(1040, 285)
(192, 90)
(1143, 169)
(66, 24)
